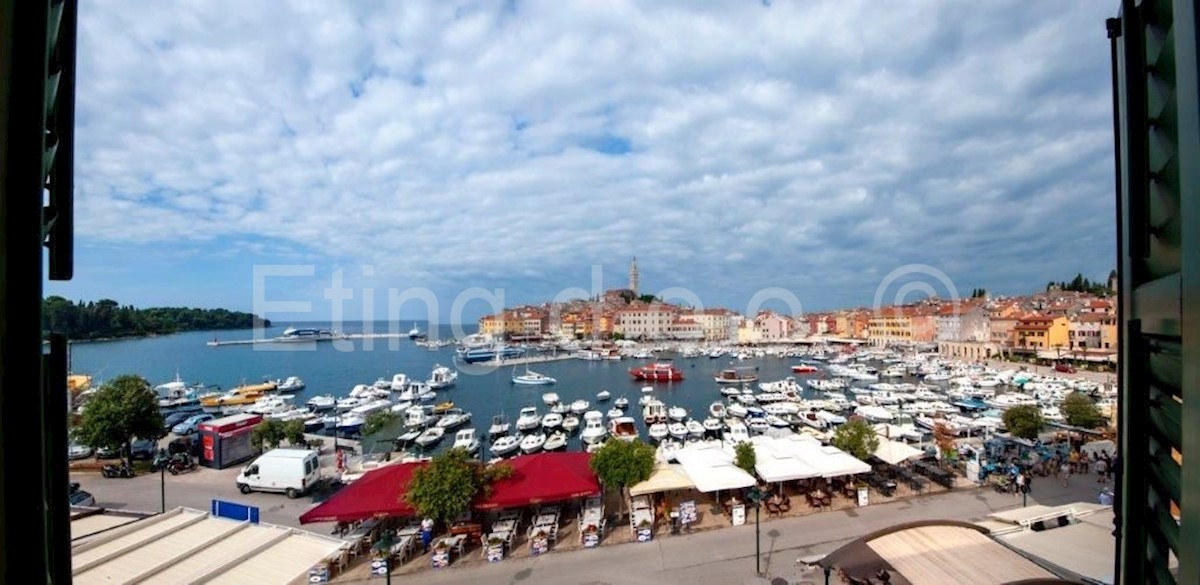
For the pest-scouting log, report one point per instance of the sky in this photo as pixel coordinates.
(276, 157)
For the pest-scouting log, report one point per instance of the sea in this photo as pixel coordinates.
(335, 367)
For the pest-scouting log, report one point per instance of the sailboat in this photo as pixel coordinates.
(531, 378)
(415, 332)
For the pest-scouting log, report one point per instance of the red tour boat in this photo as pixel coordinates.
(804, 369)
(657, 372)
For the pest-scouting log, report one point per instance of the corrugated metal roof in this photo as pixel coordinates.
(93, 523)
(953, 554)
(186, 545)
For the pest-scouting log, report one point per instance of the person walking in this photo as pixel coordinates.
(1101, 471)
(1020, 484)
(1065, 472)
(427, 533)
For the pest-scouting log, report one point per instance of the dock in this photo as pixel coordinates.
(522, 361)
(345, 336)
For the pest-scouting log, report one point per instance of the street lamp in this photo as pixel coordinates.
(755, 496)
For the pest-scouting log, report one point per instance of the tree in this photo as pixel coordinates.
(744, 457)
(945, 439)
(622, 464)
(857, 438)
(1023, 421)
(445, 488)
(1081, 411)
(268, 434)
(293, 432)
(123, 408)
(376, 421)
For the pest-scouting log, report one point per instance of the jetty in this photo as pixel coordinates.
(346, 336)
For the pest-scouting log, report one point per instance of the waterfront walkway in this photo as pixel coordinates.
(726, 555)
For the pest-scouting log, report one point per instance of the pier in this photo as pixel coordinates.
(521, 361)
(346, 336)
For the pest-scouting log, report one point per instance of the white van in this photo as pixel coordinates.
(290, 471)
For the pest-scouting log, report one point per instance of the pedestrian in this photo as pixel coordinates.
(1065, 472)
(426, 533)
(1020, 484)
(1101, 471)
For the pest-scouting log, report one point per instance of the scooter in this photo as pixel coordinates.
(177, 465)
(160, 461)
(111, 470)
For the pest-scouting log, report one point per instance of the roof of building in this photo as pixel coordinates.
(935, 551)
(163, 549)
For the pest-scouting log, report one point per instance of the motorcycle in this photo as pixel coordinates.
(179, 465)
(160, 461)
(112, 471)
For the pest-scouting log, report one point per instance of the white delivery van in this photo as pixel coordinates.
(289, 471)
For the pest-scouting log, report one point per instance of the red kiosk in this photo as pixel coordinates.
(226, 441)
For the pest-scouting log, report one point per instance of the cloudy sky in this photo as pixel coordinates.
(741, 150)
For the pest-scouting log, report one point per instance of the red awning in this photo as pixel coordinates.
(378, 493)
(543, 478)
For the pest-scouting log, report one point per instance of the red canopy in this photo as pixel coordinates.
(378, 493)
(543, 477)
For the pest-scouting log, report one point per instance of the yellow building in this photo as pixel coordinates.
(1108, 333)
(890, 326)
(1043, 332)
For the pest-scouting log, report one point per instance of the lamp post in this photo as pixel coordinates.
(755, 496)
(162, 485)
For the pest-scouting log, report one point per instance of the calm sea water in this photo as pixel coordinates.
(328, 369)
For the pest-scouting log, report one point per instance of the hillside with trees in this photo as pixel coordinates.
(107, 319)
(1081, 284)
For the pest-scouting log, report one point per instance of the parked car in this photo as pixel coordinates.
(191, 423)
(1064, 368)
(175, 418)
(143, 448)
(108, 452)
(82, 498)
(79, 451)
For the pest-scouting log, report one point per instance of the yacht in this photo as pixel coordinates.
(321, 403)
(418, 417)
(465, 439)
(593, 427)
(415, 332)
(349, 424)
(505, 445)
(532, 443)
(500, 426)
(528, 419)
(531, 378)
(442, 377)
(654, 412)
(623, 428)
(399, 382)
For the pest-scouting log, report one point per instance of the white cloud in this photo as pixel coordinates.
(732, 147)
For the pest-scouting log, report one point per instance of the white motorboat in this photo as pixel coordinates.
(593, 427)
(645, 399)
(465, 439)
(677, 413)
(717, 410)
(409, 436)
(500, 426)
(678, 430)
(694, 427)
(419, 417)
(621, 402)
(441, 377)
(550, 398)
(557, 441)
(529, 419)
(505, 445)
(654, 412)
(321, 403)
(615, 412)
(570, 423)
(291, 384)
(399, 382)
(647, 389)
(736, 432)
(813, 419)
(561, 408)
(401, 407)
(603, 395)
(454, 417)
(431, 436)
(532, 443)
(552, 420)
(531, 378)
(579, 406)
(658, 431)
(736, 409)
(712, 424)
(623, 428)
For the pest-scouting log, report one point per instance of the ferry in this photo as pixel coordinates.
(241, 396)
(657, 372)
(737, 376)
(294, 335)
(804, 369)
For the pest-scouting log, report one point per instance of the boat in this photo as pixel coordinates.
(615, 412)
(455, 417)
(654, 412)
(418, 417)
(658, 431)
(712, 424)
(603, 395)
(443, 407)
(505, 445)
(579, 406)
(717, 410)
(623, 428)
(593, 427)
(466, 440)
(415, 332)
(621, 402)
(298, 335)
(321, 403)
(532, 443)
(657, 372)
(483, 347)
(678, 430)
(408, 437)
(694, 427)
(550, 398)
(555, 442)
(677, 413)
(500, 426)
(399, 382)
(552, 420)
(441, 377)
(528, 419)
(804, 369)
(532, 378)
(737, 376)
(349, 424)
(736, 433)
(431, 436)
(240, 396)
(570, 423)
